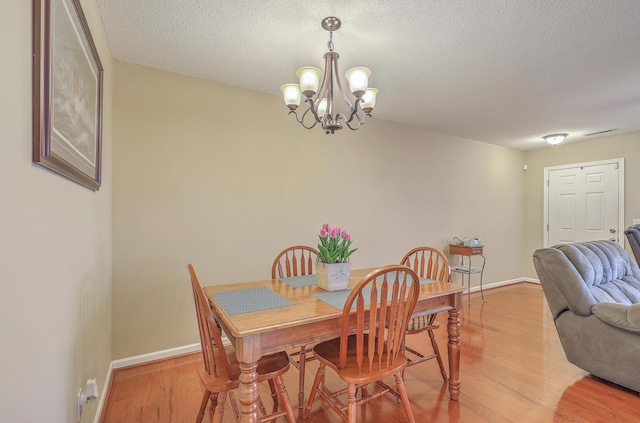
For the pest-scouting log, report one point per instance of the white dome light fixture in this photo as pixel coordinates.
(320, 107)
(555, 139)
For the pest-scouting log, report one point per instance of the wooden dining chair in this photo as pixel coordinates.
(221, 369)
(428, 263)
(296, 261)
(374, 321)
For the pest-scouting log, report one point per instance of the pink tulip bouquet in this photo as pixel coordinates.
(334, 245)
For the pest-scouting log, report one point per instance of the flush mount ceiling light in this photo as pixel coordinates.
(321, 108)
(554, 139)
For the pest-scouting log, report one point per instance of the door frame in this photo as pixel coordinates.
(621, 179)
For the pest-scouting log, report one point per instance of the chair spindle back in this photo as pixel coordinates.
(213, 352)
(384, 301)
(294, 261)
(428, 263)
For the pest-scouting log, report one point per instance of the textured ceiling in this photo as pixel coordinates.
(504, 72)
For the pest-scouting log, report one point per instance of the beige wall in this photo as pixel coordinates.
(621, 146)
(223, 178)
(55, 251)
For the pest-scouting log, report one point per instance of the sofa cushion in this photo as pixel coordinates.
(619, 315)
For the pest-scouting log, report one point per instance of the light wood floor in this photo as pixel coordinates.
(512, 369)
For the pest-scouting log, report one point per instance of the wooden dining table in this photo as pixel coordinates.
(273, 315)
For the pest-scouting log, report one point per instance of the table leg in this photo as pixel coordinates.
(248, 352)
(453, 329)
(248, 392)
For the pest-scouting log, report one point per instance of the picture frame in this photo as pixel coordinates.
(67, 93)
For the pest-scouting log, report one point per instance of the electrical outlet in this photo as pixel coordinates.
(636, 221)
(91, 388)
(82, 400)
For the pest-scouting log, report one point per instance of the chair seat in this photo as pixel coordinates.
(268, 367)
(421, 323)
(328, 352)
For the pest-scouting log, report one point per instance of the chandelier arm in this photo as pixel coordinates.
(315, 121)
(313, 111)
(354, 112)
(322, 91)
(301, 119)
(344, 95)
(360, 121)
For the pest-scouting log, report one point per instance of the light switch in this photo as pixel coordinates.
(636, 221)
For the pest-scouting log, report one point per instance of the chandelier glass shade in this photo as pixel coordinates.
(319, 89)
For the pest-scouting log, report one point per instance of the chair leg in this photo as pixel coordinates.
(203, 406)
(312, 395)
(351, 403)
(218, 413)
(274, 395)
(284, 399)
(301, 369)
(403, 395)
(436, 351)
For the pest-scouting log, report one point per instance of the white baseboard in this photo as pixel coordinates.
(105, 386)
(498, 284)
(503, 283)
(153, 356)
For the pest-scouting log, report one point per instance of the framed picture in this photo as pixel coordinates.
(67, 93)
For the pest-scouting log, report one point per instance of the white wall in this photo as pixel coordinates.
(223, 178)
(55, 250)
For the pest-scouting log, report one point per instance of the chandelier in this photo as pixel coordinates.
(320, 106)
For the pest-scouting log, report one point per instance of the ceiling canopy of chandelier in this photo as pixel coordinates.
(320, 106)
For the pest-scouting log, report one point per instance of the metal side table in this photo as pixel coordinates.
(468, 251)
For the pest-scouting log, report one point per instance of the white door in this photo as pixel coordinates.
(584, 202)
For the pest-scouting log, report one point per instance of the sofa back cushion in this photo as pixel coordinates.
(577, 276)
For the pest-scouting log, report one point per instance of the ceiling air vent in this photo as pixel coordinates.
(598, 133)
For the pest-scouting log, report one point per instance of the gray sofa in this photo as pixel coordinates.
(593, 292)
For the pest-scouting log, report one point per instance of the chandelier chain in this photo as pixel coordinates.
(330, 42)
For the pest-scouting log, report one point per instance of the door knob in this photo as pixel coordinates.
(613, 239)
(613, 231)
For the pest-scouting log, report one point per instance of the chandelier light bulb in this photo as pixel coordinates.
(292, 95)
(369, 99)
(309, 79)
(322, 107)
(358, 80)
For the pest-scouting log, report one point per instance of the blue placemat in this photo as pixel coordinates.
(425, 281)
(301, 281)
(391, 276)
(338, 298)
(250, 300)
(335, 298)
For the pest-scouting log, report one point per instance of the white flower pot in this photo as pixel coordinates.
(334, 276)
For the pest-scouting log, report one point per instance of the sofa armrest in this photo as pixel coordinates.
(622, 316)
